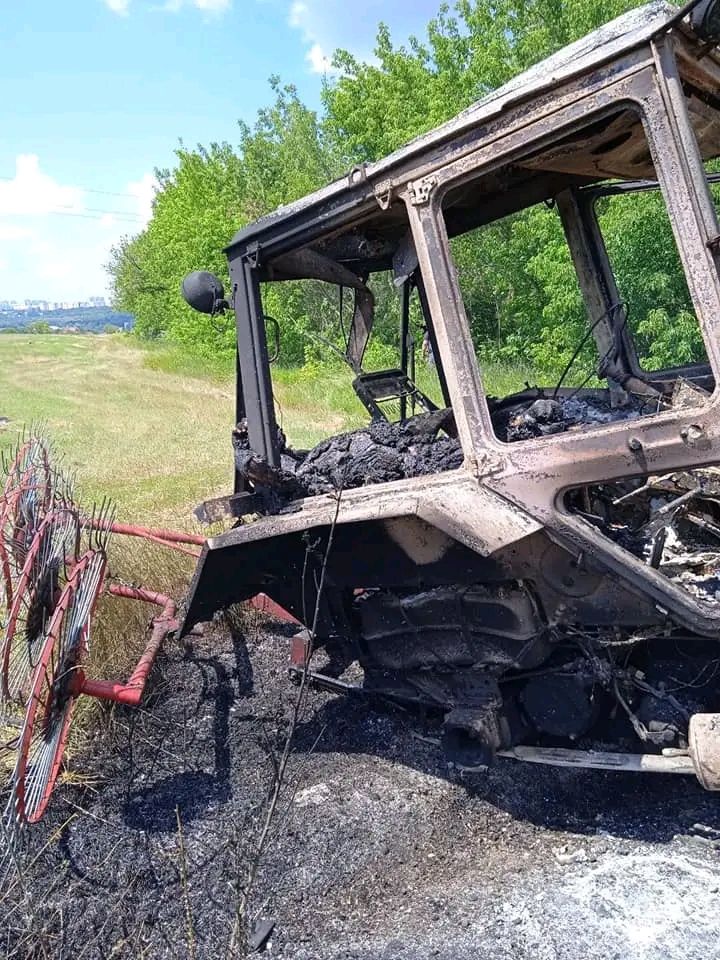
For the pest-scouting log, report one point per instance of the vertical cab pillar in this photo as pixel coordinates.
(254, 385)
(596, 279)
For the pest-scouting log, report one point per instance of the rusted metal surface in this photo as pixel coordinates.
(171, 539)
(489, 592)
(130, 693)
(704, 741)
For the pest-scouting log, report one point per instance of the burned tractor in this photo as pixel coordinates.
(541, 571)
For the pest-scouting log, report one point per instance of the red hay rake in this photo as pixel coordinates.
(53, 570)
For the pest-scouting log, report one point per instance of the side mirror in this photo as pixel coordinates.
(204, 292)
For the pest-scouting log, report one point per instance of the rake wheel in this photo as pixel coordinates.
(6, 585)
(26, 498)
(52, 553)
(56, 685)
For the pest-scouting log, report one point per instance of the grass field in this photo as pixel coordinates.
(153, 442)
(156, 442)
(151, 428)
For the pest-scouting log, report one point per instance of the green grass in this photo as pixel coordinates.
(149, 426)
(154, 442)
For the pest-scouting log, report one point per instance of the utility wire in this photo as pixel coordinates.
(127, 215)
(98, 215)
(104, 193)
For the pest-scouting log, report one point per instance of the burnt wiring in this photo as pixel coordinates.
(276, 327)
(608, 314)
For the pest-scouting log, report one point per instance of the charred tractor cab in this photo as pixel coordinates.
(540, 571)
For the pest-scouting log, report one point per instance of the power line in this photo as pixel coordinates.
(98, 215)
(121, 213)
(104, 193)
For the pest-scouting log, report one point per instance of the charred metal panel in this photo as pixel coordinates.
(255, 383)
(287, 569)
(453, 626)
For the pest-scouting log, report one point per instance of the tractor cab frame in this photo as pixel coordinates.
(452, 587)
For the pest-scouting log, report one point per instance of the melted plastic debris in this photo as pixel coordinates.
(382, 452)
(546, 416)
(376, 454)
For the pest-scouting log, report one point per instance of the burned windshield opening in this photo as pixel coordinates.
(579, 312)
(355, 321)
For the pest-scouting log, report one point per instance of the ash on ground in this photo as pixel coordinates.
(378, 849)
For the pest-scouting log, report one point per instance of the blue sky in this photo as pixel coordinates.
(95, 95)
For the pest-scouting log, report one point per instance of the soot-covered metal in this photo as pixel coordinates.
(539, 572)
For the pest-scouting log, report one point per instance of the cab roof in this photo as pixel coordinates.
(319, 211)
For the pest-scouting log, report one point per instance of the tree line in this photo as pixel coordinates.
(518, 282)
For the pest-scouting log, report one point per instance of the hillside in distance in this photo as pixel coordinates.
(76, 319)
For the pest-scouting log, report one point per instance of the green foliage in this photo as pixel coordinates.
(517, 279)
(39, 326)
(209, 195)
(374, 108)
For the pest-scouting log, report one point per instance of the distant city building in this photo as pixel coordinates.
(43, 306)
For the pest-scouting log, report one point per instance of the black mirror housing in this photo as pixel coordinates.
(203, 291)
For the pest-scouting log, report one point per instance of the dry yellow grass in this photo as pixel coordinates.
(156, 443)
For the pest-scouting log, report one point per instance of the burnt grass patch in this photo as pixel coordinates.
(378, 849)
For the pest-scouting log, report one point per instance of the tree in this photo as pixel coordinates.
(39, 327)
(209, 195)
(517, 278)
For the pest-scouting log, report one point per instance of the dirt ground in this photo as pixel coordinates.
(379, 850)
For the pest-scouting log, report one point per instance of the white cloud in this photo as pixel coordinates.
(319, 61)
(213, 6)
(33, 193)
(118, 6)
(51, 257)
(302, 18)
(298, 14)
(144, 191)
(207, 6)
(11, 231)
(122, 7)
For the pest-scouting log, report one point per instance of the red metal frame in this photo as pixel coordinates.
(268, 606)
(130, 693)
(6, 576)
(23, 584)
(171, 536)
(164, 538)
(40, 703)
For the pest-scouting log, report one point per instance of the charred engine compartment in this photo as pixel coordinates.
(671, 522)
(426, 443)
(523, 657)
(487, 662)
(378, 453)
